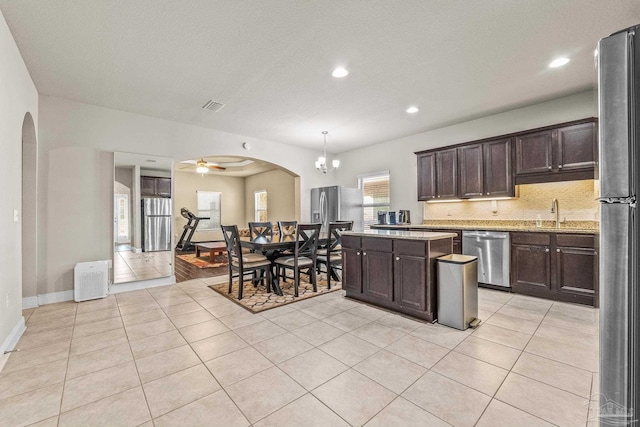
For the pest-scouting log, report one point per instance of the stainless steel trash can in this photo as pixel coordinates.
(457, 290)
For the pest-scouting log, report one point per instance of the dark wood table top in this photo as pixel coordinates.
(264, 245)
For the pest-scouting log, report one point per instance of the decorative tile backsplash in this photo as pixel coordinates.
(577, 201)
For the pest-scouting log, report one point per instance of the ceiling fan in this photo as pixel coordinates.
(201, 166)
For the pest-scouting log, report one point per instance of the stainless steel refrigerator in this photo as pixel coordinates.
(156, 224)
(337, 203)
(619, 111)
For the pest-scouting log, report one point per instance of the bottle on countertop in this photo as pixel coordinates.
(538, 221)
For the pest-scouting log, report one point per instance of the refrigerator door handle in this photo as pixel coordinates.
(631, 201)
(322, 202)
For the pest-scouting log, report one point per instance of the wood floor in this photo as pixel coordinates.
(185, 271)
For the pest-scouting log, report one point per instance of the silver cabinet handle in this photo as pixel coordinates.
(558, 250)
(357, 253)
(397, 258)
(546, 250)
(549, 168)
(488, 194)
(364, 253)
(559, 166)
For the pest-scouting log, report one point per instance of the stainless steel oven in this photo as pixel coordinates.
(493, 252)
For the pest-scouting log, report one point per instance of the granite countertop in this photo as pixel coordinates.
(570, 227)
(400, 234)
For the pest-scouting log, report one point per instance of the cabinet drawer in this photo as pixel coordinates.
(374, 244)
(351, 242)
(576, 240)
(531, 239)
(410, 247)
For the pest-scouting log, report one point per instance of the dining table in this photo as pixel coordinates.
(272, 248)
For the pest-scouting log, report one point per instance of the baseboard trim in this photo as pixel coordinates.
(136, 250)
(14, 336)
(54, 297)
(116, 288)
(29, 302)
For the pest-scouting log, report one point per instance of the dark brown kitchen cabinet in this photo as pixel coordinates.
(577, 147)
(437, 175)
(558, 266)
(163, 187)
(155, 186)
(485, 170)
(377, 268)
(498, 172)
(447, 174)
(471, 166)
(457, 240)
(577, 267)
(533, 153)
(562, 153)
(427, 176)
(397, 274)
(351, 264)
(531, 263)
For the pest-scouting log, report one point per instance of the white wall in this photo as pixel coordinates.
(398, 156)
(76, 145)
(280, 188)
(18, 96)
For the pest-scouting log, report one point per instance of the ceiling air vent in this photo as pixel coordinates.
(213, 106)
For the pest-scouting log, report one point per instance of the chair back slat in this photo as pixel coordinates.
(287, 230)
(335, 235)
(307, 239)
(261, 231)
(232, 239)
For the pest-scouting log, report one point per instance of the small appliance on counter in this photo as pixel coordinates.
(392, 217)
(404, 216)
(382, 217)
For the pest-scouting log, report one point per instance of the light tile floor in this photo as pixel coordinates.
(129, 266)
(184, 355)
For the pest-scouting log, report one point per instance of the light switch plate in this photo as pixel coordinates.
(16, 215)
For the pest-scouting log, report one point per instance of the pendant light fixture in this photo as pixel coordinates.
(321, 163)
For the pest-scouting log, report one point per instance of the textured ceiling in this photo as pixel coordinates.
(270, 61)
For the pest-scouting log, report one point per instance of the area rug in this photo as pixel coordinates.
(258, 299)
(203, 260)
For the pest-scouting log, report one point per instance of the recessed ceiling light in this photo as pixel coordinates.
(412, 110)
(558, 62)
(340, 72)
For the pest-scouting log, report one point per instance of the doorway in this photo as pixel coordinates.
(28, 214)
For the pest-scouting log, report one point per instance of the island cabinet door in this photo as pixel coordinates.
(351, 265)
(410, 275)
(377, 268)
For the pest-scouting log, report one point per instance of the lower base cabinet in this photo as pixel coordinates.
(397, 274)
(562, 267)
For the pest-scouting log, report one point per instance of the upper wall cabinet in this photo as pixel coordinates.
(155, 186)
(564, 153)
(485, 169)
(438, 175)
(492, 167)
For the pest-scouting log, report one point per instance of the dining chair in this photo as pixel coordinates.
(244, 263)
(287, 230)
(331, 255)
(261, 230)
(304, 256)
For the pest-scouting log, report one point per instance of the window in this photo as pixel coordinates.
(375, 196)
(261, 205)
(209, 207)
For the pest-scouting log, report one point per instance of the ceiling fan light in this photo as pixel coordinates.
(317, 164)
(202, 169)
(335, 163)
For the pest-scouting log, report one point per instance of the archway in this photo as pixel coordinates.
(29, 208)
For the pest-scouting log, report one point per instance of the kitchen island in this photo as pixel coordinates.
(394, 269)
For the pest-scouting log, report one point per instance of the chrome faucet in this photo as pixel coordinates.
(555, 208)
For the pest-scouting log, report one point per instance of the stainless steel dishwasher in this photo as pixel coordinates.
(492, 250)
